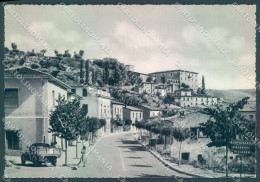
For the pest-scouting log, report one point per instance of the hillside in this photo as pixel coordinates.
(234, 95)
(72, 70)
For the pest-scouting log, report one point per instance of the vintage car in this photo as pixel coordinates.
(39, 153)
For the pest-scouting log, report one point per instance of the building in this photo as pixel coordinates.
(99, 102)
(140, 77)
(130, 67)
(177, 78)
(116, 113)
(150, 112)
(248, 112)
(187, 98)
(145, 87)
(164, 89)
(132, 113)
(117, 110)
(30, 95)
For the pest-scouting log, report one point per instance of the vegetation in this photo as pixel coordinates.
(66, 120)
(223, 127)
(180, 134)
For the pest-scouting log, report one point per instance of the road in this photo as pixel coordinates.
(114, 156)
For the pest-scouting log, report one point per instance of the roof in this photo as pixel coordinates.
(115, 102)
(173, 71)
(31, 73)
(191, 120)
(132, 108)
(151, 108)
(141, 73)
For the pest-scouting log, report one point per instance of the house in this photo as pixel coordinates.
(99, 102)
(132, 113)
(145, 87)
(187, 98)
(248, 112)
(150, 112)
(140, 77)
(116, 114)
(116, 110)
(30, 95)
(177, 78)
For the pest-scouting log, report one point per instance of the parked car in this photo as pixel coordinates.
(39, 153)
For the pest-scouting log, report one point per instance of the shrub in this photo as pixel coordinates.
(35, 66)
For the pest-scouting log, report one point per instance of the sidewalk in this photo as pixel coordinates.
(189, 169)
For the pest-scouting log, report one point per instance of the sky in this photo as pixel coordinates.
(130, 45)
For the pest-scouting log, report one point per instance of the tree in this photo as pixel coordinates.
(67, 54)
(185, 85)
(14, 47)
(163, 78)
(180, 134)
(149, 79)
(43, 52)
(106, 72)
(87, 72)
(93, 77)
(221, 127)
(168, 99)
(94, 124)
(81, 74)
(81, 53)
(58, 55)
(66, 120)
(203, 91)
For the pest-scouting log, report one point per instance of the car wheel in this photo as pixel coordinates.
(35, 161)
(23, 160)
(54, 162)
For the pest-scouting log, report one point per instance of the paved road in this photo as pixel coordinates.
(114, 156)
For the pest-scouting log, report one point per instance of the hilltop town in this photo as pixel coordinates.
(149, 105)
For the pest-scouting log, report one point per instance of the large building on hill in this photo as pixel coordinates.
(30, 96)
(177, 78)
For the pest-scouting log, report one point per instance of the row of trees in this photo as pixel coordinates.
(68, 121)
(180, 134)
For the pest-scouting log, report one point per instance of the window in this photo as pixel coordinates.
(133, 115)
(115, 110)
(12, 140)
(185, 156)
(53, 98)
(73, 90)
(11, 97)
(251, 116)
(141, 115)
(85, 92)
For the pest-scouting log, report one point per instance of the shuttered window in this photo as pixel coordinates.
(11, 97)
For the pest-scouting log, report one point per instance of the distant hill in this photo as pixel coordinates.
(234, 95)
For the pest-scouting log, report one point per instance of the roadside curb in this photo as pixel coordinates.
(167, 164)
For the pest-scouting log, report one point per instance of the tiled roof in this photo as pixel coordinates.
(116, 102)
(25, 72)
(173, 71)
(191, 120)
(152, 108)
(31, 73)
(132, 108)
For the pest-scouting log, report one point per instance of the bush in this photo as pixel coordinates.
(35, 66)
